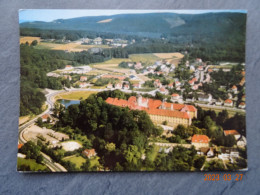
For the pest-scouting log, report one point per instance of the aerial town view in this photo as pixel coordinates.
(126, 90)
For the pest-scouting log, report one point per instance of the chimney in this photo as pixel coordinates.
(171, 106)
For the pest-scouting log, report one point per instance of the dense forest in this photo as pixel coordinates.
(35, 64)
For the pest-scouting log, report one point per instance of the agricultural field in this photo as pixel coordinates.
(29, 39)
(168, 55)
(112, 68)
(32, 164)
(74, 95)
(145, 59)
(72, 47)
(77, 160)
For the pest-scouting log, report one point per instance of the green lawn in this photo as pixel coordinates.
(32, 164)
(77, 160)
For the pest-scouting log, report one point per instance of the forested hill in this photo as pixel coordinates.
(152, 24)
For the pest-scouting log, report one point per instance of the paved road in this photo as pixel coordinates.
(220, 107)
(54, 167)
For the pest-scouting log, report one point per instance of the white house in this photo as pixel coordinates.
(205, 98)
(81, 85)
(227, 153)
(118, 86)
(241, 142)
(175, 97)
(83, 78)
(126, 87)
(242, 105)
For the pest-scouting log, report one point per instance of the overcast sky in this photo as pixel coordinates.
(48, 15)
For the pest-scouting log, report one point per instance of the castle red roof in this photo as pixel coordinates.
(179, 110)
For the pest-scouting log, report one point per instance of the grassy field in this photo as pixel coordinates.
(230, 66)
(145, 89)
(77, 160)
(75, 95)
(148, 58)
(29, 39)
(32, 163)
(168, 55)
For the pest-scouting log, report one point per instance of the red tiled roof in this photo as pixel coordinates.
(89, 152)
(153, 106)
(199, 139)
(170, 113)
(175, 95)
(242, 103)
(234, 87)
(45, 116)
(231, 132)
(20, 145)
(228, 101)
(162, 89)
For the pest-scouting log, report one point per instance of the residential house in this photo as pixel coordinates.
(170, 85)
(126, 87)
(241, 142)
(45, 118)
(68, 67)
(82, 84)
(175, 97)
(228, 102)
(163, 90)
(205, 98)
(97, 41)
(83, 78)
(177, 84)
(207, 151)
(200, 141)
(234, 89)
(138, 66)
(118, 85)
(157, 83)
(89, 153)
(200, 68)
(137, 85)
(227, 153)
(242, 105)
(232, 132)
(219, 102)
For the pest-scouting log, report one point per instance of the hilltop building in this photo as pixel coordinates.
(159, 111)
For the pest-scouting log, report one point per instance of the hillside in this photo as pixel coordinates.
(150, 25)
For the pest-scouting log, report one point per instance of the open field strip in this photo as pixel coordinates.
(29, 39)
(74, 95)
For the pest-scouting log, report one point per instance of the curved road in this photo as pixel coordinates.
(54, 167)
